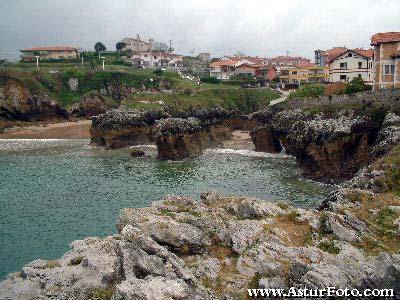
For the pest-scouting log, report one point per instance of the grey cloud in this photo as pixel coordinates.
(258, 27)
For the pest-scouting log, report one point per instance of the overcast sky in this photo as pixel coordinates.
(255, 27)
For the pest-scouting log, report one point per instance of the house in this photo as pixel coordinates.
(303, 73)
(266, 72)
(223, 69)
(321, 56)
(242, 67)
(345, 65)
(205, 56)
(55, 52)
(157, 59)
(386, 60)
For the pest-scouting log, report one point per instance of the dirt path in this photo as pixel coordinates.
(66, 130)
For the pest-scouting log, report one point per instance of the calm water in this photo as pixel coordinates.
(55, 191)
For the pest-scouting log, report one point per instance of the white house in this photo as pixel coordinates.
(156, 59)
(349, 64)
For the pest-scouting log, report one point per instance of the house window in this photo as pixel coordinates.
(294, 73)
(155, 57)
(359, 75)
(343, 66)
(343, 78)
(389, 69)
(349, 55)
(359, 64)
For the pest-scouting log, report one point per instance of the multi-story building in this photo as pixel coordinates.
(205, 56)
(56, 52)
(139, 45)
(157, 59)
(386, 60)
(303, 73)
(288, 60)
(347, 64)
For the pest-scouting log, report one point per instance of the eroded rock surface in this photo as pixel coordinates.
(179, 248)
(17, 102)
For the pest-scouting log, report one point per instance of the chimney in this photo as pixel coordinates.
(138, 37)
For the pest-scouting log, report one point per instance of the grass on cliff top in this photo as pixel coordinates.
(374, 212)
(244, 100)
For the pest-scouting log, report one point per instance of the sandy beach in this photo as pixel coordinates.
(66, 130)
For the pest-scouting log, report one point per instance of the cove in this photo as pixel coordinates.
(57, 191)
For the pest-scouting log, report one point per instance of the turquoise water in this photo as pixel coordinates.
(55, 191)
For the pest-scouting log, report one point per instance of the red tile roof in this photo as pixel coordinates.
(334, 52)
(385, 37)
(221, 63)
(367, 53)
(340, 51)
(54, 48)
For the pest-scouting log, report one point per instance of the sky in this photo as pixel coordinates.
(255, 27)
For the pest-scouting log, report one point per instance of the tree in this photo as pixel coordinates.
(99, 46)
(119, 46)
(357, 85)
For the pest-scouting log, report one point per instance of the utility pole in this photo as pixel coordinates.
(37, 62)
(103, 58)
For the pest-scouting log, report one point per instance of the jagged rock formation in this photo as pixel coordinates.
(265, 140)
(20, 103)
(121, 128)
(91, 104)
(215, 249)
(179, 138)
(333, 144)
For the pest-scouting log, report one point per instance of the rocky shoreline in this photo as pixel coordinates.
(219, 246)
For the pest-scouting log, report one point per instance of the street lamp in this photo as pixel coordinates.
(37, 61)
(103, 58)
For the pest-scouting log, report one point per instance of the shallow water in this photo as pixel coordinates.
(55, 191)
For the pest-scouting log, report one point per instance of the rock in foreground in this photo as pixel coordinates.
(215, 249)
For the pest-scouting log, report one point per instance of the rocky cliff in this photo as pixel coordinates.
(179, 138)
(91, 104)
(179, 248)
(188, 131)
(18, 102)
(121, 128)
(331, 143)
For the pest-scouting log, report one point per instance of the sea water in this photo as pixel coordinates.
(55, 191)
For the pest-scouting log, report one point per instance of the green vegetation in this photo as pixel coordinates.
(357, 85)
(243, 100)
(308, 91)
(210, 79)
(102, 294)
(329, 247)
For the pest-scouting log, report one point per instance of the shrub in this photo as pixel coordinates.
(357, 85)
(308, 91)
(329, 247)
(210, 79)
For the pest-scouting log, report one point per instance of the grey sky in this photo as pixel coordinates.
(263, 28)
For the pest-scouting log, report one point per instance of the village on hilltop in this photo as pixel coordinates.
(378, 66)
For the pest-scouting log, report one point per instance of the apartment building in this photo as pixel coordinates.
(303, 73)
(386, 60)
